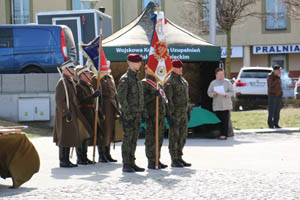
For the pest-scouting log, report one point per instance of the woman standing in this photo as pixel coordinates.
(221, 90)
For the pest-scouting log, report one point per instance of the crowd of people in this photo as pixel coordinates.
(134, 102)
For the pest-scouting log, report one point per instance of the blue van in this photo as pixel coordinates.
(35, 48)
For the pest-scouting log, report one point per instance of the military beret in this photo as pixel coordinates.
(134, 58)
(177, 63)
(276, 67)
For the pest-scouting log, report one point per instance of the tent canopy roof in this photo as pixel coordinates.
(139, 33)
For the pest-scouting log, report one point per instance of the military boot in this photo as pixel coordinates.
(162, 166)
(176, 163)
(86, 161)
(137, 168)
(128, 168)
(185, 164)
(108, 155)
(82, 155)
(102, 157)
(64, 153)
(151, 165)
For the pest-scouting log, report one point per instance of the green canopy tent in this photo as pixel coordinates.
(200, 57)
(136, 37)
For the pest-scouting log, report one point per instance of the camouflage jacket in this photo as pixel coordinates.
(130, 94)
(176, 89)
(150, 98)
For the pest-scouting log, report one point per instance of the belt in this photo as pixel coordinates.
(86, 106)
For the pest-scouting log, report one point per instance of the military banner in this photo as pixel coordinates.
(159, 60)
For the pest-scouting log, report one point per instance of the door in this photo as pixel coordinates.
(6, 49)
(74, 24)
(279, 60)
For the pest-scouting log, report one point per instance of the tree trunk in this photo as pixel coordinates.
(228, 57)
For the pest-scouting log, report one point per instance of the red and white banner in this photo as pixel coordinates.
(159, 61)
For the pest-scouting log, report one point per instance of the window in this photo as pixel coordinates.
(255, 73)
(35, 37)
(6, 38)
(82, 4)
(146, 2)
(276, 15)
(20, 11)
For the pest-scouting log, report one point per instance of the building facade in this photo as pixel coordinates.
(256, 41)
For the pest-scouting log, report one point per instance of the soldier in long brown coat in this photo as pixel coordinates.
(68, 120)
(86, 98)
(110, 110)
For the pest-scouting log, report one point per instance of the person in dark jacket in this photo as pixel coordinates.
(274, 97)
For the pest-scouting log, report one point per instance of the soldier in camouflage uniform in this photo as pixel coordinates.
(176, 89)
(150, 94)
(131, 98)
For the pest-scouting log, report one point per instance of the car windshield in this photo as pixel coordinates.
(255, 73)
(70, 43)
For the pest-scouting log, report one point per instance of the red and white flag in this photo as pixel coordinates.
(159, 61)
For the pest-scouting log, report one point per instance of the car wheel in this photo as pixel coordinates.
(31, 70)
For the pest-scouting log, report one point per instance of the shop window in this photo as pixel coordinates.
(20, 11)
(276, 18)
(146, 2)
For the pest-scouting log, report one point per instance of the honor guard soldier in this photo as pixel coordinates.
(86, 100)
(131, 98)
(67, 132)
(176, 89)
(110, 108)
(150, 94)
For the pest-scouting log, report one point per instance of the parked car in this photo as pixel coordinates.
(251, 82)
(297, 89)
(35, 48)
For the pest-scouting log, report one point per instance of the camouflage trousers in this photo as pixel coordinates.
(131, 129)
(150, 138)
(177, 135)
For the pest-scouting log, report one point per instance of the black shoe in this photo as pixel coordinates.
(137, 168)
(151, 165)
(128, 168)
(176, 163)
(66, 164)
(73, 165)
(271, 127)
(108, 156)
(162, 166)
(185, 164)
(84, 162)
(103, 159)
(277, 126)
